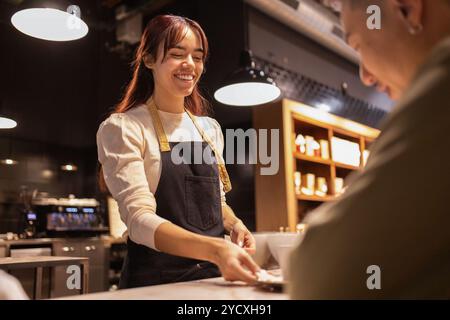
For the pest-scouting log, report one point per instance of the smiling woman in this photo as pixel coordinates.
(176, 213)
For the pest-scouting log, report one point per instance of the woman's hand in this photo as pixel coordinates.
(241, 236)
(235, 263)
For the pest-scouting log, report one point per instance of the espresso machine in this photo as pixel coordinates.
(68, 217)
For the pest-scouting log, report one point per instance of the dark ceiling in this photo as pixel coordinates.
(52, 88)
(59, 92)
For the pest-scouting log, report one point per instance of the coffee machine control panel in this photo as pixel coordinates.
(73, 218)
(70, 216)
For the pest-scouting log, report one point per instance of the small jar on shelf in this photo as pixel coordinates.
(301, 228)
(321, 187)
(339, 186)
(309, 184)
(297, 182)
(284, 229)
(324, 149)
(300, 144)
(312, 147)
(309, 146)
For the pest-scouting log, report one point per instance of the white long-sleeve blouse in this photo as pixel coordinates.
(128, 151)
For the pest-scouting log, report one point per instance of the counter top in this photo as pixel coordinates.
(206, 289)
(26, 241)
(41, 261)
(43, 241)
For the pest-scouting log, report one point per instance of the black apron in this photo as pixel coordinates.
(188, 195)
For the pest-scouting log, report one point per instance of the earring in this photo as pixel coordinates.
(415, 30)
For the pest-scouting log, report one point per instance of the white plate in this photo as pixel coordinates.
(272, 280)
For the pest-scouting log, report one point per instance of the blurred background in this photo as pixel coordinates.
(59, 92)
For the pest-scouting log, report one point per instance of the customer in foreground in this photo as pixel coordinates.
(387, 236)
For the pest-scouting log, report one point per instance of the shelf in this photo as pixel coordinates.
(294, 118)
(344, 134)
(305, 197)
(346, 166)
(310, 122)
(301, 156)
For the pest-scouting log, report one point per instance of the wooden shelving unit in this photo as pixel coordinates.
(304, 157)
(304, 197)
(346, 166)
(277, 203)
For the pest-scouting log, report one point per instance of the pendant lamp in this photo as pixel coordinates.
(50, 20)
(9, 160)
(5, 122)
(247, 86)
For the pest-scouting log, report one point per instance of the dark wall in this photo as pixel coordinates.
(55, 91)
(60, 92)
(277, 43)
(51, 88)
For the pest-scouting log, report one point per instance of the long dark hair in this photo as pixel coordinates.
(167, 30)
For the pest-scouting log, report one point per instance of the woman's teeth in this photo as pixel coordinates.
(185, 77)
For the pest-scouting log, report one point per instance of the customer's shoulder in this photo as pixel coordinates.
(432, 79)
(421, 116)
(428, 93)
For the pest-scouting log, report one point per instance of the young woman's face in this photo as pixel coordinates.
(178, 72)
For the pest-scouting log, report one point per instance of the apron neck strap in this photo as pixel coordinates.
(157, 124)
(222, 169)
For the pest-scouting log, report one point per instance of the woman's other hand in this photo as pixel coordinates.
(235, 263)
(241, 236)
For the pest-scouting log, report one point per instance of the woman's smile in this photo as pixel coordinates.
(185, 77)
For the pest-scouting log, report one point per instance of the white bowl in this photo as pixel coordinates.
(279, 242)
(284, 252)
(262, 254)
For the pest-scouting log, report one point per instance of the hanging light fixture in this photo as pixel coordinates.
(57, 22)
(247, 86)
(5, 122)
(9, 161)
(69, 167)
